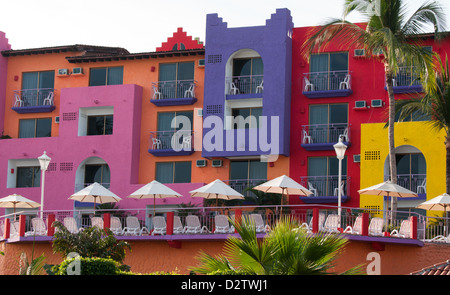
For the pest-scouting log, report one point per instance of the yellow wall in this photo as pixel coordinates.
(417, 134)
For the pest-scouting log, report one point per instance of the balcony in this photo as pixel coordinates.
(171, 143)
(406, 81)
(325, 189)
(242, 87)
(33, 101)
(322, 137)
(327, 84)
(173, 93)
(414, 182)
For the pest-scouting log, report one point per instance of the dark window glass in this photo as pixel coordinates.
(100, 125)
(29, 128)
(106, 76)
(97, 173)
(173, 172)
(28, 177)
(245, 113)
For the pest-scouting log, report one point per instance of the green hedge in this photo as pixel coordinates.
(89, 266)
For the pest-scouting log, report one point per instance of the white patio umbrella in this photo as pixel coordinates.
(17, 201)
(216, 190)
(388, 189)
(95, 193)
(283, 185)
(439, 203)
(155, 190)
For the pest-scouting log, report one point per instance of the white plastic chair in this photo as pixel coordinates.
(159, 225)
(309, 226)
(116, 226)
(312, 189)
(404, 231)
(341, 187)
(156, 93)
(222, 226)
(376, 226)
(71, 224)
(177, 225)
(190, 91)
(156, 143)
(346, 83)
(356, 229)
(422, 187)
(307, 138)
(331, 223)
(38, 227)
(97, 222)
(187, 142)
(308, 85)
(193, 225)
(344, 135)
(18, 100)
(260, 87)
(258, 221)
(133, 227)
(234, 90)
(49, 99)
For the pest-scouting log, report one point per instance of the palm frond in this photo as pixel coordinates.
(428, 13)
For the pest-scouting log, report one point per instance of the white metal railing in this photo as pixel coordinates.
(33, 97)
(171, 140)
(173, 89)
(325, 133)
(325, 81)
(244, 84)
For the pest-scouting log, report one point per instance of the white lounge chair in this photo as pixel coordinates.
(116, 226)
(71, 224)
(404, 231)
(193, 225)
(222, 225)
(356, 229)
(38, 227)
(133, 227)
(309, 226)
(258, 221)
(439, 239)
(159, 225)
(14, 229)
(97, 222)
(376, 226)
(331, 223)
(177, 225)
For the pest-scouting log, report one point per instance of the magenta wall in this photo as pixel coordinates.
(4, 45)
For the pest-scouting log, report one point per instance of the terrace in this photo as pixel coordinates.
(171, 143)
(174, 93)
(406, 81)
(178, 224)
(240, 87)
(327, 84)
(320, 137)
(33, 101)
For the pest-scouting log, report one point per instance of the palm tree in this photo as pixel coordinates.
(390, 37)
(286, 250)
(435, 105)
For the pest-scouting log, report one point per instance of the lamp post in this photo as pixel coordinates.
(340, 149)
(44, 160)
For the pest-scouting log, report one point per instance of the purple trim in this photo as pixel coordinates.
(328, 93)
(243, 96)
(170, 152)
(321, 146)
(35, 109)
(173, 101)
(323, 199)
(387, 240)
(407, 89)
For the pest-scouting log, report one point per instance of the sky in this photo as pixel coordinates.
(142, 25)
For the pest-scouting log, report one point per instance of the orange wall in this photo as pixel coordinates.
(395, 259)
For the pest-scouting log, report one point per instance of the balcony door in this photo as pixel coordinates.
(323, 174)
(327, 122)
(166, 132)
(36, 86)
(247, 74)
(247, 173)
(175, 79)
(327, 70)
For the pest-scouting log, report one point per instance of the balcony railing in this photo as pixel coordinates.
(177, 92)
(407, 81)
(324, 136)
(413, 182)
(245, 85)
(33, 100)
(327, 84)
(325, 188)
(171, 143)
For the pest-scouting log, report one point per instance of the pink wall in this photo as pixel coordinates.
(4, 45)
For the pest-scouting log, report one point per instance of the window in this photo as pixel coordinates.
(411, 170)
(97, 173)
(328, 122)
(175, 78)
(106, 76)
(245, 174)
(165, 131)
(328, 70)
(173, 172)
(248, 74)
(29, 128)
(28, 176)
(323, 174)
(250, 117)
(36, 86)
(100, 125)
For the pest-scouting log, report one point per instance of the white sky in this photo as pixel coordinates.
(142, 25)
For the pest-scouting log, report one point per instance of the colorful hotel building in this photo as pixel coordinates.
(105, 115)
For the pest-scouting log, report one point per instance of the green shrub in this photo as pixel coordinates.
(89, 266)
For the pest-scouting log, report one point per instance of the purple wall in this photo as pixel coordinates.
(4, 45)
(273, 42)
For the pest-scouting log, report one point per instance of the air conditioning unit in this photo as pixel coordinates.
(201, 62)
(357, 158)
(57, 119)
(216, 163)
(201, 163)
(359, 53)
(377, 103)
(77, 71)
(63, 72)
(360, 104)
